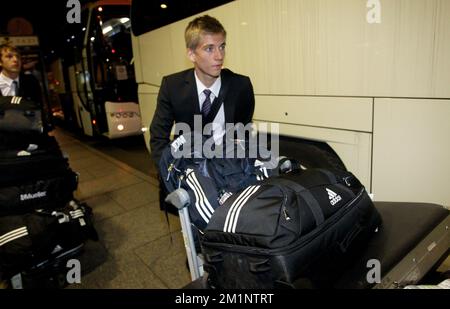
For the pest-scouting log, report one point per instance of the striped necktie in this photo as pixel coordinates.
(206, 107)
(15, 88)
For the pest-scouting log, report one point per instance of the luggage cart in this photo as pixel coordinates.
(180, 199)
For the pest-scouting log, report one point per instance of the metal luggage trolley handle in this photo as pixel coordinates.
(180, 199)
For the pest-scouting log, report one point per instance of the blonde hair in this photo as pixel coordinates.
(199, 26)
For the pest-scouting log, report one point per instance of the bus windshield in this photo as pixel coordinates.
(111, 54)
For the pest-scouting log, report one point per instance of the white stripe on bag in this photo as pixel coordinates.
(231, 210)
(16, 100)
(23, 228)
(205, 199)
(13, 237)
(18, 233)
(233, 230)
(77, 213)
(197, 202)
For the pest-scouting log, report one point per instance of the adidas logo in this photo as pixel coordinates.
(224, 197)
(29, 196)
(333, 196)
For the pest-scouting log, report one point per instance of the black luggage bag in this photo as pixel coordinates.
(17, 114)
(35, 247)
(297, 230)
(34, 173)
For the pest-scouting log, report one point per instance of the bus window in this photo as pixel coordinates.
(111, 55)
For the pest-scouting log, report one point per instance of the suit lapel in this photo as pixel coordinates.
(22, 85)
(191, 88)
(227, 104)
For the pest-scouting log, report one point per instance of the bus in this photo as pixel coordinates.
(366, 82)
(99, 72)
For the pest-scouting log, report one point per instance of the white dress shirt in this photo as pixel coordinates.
(6, 85)
(218, 125)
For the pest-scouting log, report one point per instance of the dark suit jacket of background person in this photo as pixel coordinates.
(178, 102)
(30, 89)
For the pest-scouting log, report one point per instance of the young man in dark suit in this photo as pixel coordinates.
(216, 95)
(193, 92)
(12, 81)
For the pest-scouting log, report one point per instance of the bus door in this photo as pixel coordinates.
(109, 55)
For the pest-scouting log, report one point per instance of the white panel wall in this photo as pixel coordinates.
(354, 148)
(441, 61)
(329, 112)
(157, 55)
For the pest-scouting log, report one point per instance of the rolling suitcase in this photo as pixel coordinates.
(297, 230)
(35, 174)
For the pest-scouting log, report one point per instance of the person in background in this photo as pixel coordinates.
(12, 81)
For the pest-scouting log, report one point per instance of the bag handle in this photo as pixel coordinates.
(310, 200)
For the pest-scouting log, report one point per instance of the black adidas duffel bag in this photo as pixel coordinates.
(297, 230)
(33, 242)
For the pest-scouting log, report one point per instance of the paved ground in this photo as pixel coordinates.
(137, 249)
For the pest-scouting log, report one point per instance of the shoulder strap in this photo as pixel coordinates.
(217, 101)
(307, 196)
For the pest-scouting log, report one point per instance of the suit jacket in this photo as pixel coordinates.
(178, 102)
